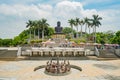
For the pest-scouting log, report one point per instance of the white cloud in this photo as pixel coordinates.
(31, 11)
(69, 9)
(89, 12)
(15, 16)
(86, 2)
(62, 11)
(110, 20)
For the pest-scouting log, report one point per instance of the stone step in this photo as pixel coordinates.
(107, 54)
(8, 53)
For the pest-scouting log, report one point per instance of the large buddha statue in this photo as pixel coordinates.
(58, 28)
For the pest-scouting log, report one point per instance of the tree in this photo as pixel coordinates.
(77, 21)
(90, 25)
(50, 31)
(86, 20)
(67, 31)
(34, 23)
(6, 42)
(22, 38)
(44, 25)
(30, 26)
(116, 38)
(109, 35)
(71, 22)
(81, 23)
(101, 37)
(96, 22)
(38, 24)
(0, 42)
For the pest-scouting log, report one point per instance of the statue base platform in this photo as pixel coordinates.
(58, 36)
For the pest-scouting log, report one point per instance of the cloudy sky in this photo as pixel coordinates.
(15, 13)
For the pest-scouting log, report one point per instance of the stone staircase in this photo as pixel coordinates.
(7, 54)
(107, 54)
(58, 41)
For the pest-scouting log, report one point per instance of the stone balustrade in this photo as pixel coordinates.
(57, 51)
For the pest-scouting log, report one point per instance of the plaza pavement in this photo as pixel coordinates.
(91, 70)
(12, 68)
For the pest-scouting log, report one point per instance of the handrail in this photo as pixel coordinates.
(19, 51)
(113, 50)
(96, 52)
(117, 52)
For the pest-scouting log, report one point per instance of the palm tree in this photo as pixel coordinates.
(90, 24)
(44, 24)
(34, 23)
(96, 22)
(77, 21)
(81, 23)
(86, 20)
(38, 24)
(29, 25)
(71, 22)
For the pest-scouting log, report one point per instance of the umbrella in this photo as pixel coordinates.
(88, 44)
(95, 43)
(82, 43)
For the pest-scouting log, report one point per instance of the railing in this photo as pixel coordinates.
(96, 52)
(114, 51)
(117, 52)
(50, 51)
(19, 51)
